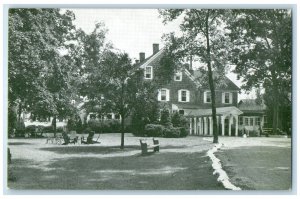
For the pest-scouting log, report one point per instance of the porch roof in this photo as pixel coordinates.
(223, 111)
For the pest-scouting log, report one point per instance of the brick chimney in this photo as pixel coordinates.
(155, 48)
(142, 57)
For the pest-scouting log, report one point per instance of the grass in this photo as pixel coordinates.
(181, 164)
(258, 167)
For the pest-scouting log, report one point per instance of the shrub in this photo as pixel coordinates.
(179, 120)
(30, 129)
(95, 125)
(171, 132)
(107, 126)
(47, 129)
(183, 131)
(154, 130)
(165, 118)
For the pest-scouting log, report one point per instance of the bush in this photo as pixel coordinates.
(107, 126)
(165, 118)
(179, 120)
(48, 129)
(183, 132)
(154, 130)
(30, 129)
(171, 132)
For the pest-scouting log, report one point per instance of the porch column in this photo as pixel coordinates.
(230, 122)
(200, 126)
(195, 125)
(236, 125)
(205, 125)
(191, 126)
(223, 126)
(210, 126)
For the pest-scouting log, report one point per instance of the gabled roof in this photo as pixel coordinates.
(251, 105)
(224, 84)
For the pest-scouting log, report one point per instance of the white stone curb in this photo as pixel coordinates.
(217, 166)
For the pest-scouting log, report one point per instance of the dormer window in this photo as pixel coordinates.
(207, 97)
(178, 76)
(163, 94)
(148, 72)
(183, 95)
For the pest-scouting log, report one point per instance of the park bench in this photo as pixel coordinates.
(266, 131)
(146, 146)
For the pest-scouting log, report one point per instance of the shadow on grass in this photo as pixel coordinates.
(19, 143)
(97, 149)
(168, 171)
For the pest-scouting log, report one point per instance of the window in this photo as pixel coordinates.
(257, 121)
(117, 116)
(148, 72)
(240, 120)
(227, 98)
(183, 96)
(163, 95)
(246, 121)
(178, 76)
(181, 112)
(109, 116)
(207, 97)
(251, 121)
(92, 116)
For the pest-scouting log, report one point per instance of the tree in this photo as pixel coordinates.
(262, 53)
(203, 39)
(39, 73)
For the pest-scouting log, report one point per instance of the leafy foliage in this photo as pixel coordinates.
(262, 54)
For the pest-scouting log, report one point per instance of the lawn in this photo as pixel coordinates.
(257, 163)
(181, 164)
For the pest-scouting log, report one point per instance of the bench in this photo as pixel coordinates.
(145, 146)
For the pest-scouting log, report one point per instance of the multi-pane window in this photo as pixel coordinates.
(257, 121)
(246, 121)
(251, 121)
(240, 120)
(181, 112)
(227, 98)
(183, 96)
(148, 72)
(163, 95)
(207, 97)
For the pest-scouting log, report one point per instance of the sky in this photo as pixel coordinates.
(134, 31)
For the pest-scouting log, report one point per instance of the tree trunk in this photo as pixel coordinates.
(211, 83)
(122, 131)
(54, 125)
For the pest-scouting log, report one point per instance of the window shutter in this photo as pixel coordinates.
(230, 98)
(159, 95)
(168, 95)
(179, 96)
(187, 96)
(223, 98)
(204, 97)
